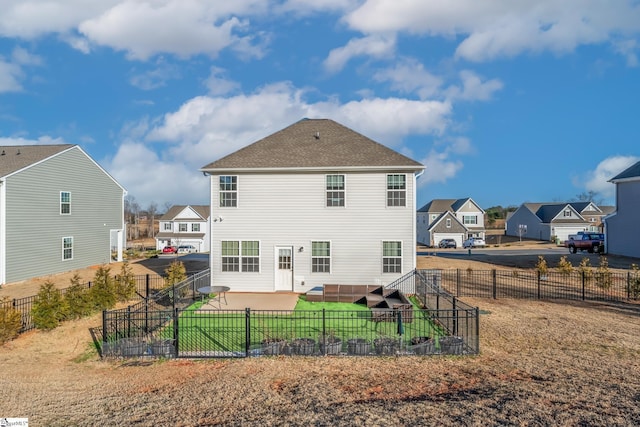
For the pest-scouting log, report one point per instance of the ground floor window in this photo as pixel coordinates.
(67, 248)
(391, 257)
(321, 257)
(241, 255)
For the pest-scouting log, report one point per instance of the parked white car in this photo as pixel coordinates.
(474, 242)
(186, 249)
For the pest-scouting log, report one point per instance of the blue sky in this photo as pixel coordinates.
(504, 101)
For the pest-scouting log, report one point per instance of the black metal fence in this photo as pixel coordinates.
(577, 285)
(169, 325)
(146, 285)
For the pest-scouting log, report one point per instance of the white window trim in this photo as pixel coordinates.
(65, 203)
(240, 256)
(330, 256)
(387, 190)
(383, 256)
(343, 191)
(236, 191)
(63, 248)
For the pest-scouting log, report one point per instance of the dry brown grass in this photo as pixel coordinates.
(541, 363)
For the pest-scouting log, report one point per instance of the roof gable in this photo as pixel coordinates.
(443, 205)
(176, 212)
(14, 158)
(314, 144)
(442, 217)
(548, 212)
(631, 173)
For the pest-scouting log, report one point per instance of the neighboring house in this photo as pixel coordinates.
(551, 221)
(456, 219)
(59, 211)
(622, 232)
(312, 204)
(185, 225)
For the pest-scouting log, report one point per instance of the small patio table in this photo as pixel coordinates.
(219, 291)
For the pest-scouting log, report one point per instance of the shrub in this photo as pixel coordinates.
(176, 273)
(634, 282)
(564, 266)
(541, 266)
(586, 270)
(603, 275)
(49, 308)
(125, 283)
(10, 321)
(103, 294)
(78, 299)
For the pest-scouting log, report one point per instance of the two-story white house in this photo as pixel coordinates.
(456, 219)
(184, 225)
(549, 221)
(312, 204)
(59, 211)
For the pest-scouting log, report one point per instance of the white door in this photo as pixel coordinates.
(284, 268)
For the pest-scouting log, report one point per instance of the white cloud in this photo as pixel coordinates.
(474, 88)
(156, 77)
(206, 128)
(408, 76)
(42, 140)
(629, 49)
(501, 28)
(379, 46)
(10, 76)
(218, 84)
(439, 167)
(597, 180)
(188, 27)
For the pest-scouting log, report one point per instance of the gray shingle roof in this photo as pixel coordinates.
(175, 210)
(631, 172)
(314, 144)
(16, 157)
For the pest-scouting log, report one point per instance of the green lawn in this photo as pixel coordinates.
(226, 331)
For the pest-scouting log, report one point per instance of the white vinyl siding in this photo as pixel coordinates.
(299, 216)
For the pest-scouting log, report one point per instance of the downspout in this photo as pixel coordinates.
(415, 215)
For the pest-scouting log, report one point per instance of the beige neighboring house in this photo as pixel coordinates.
(185, 225)
(312, 204)
(456, 219)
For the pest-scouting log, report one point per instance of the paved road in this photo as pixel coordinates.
(527, 257)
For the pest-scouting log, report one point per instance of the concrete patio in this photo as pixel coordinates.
(255, 301)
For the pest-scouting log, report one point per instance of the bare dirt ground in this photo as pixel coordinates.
(541, 363)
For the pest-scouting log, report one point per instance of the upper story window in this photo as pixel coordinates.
(335, 190)
(448, 222)
(67, 248)
(469, 219)
(65, 203)
(567, 212)
(195, 226)
(320, 257)
(167, 226)
(397, 190)
(228, 191)
(392, 257)
(182, 227)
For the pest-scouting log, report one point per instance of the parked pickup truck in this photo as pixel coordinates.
(591, 242)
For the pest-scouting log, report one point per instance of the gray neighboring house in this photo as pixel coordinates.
(622, 232)
(59, 211)
(548, 221)
(456, 219)
(312, 204)
(185, 225)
